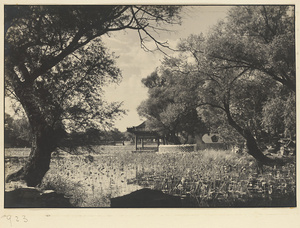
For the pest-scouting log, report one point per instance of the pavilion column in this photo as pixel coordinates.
(142, 143)
(136, 141)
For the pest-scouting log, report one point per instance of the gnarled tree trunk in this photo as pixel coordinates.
(251, 143)
(44, 139)
(39, 159)
(255, 151)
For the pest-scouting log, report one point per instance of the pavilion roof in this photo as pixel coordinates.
(142, 130)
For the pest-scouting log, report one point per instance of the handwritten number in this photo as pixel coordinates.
(17, 218)
(8, 217)
(25, 219)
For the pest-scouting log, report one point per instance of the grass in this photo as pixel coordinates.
(202, 179)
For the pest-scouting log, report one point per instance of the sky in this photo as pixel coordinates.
(136, 64)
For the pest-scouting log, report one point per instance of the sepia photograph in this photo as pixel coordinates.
(149, 106)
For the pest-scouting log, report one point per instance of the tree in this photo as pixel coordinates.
(114, 135)
(235, 70)
(170, 109)
(16, 132)
(279, 114)
(89, 138)
(56, 65)
(231, 93)
(258, 38)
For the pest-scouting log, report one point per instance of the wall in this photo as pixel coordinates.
(177, 148)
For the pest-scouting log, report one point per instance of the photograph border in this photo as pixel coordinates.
(108, 217)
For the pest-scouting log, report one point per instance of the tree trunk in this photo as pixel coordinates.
(43, 144)
(252, 146)
(254, 151)
(44, 140)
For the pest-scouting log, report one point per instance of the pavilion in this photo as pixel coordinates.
(143, 134)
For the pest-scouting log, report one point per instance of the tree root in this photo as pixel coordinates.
(271, 162)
